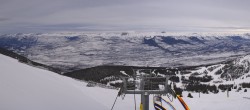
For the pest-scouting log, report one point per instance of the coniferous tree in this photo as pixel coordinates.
(245, 90)
(189, 95)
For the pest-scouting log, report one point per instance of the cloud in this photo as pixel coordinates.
(4, 19)
(81, 15)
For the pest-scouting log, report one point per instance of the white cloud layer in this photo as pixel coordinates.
(122, 15)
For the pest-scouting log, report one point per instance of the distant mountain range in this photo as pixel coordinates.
(196, 61)
(73, 51)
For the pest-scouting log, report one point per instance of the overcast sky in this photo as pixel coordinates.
(124, 15)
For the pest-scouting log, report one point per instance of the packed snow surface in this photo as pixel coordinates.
(27, 88)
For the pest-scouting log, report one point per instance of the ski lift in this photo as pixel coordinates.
(147, 83)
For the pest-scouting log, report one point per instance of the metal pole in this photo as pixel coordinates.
(142, 99)
(199, 94)
(145, 93)
(146, 101)
(227, 92)
(142, 95)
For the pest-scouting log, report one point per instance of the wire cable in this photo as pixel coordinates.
(169, 98)
(134, 100)
(134, 95)
(135, 86)
(114, 102)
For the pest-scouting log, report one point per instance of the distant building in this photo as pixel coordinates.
(91, 84)
(124, 33)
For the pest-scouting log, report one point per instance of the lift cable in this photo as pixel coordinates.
(114, 102)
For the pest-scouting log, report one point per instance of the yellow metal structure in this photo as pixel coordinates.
(141, 106)
(183, 103)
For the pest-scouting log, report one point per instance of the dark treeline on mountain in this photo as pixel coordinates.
(224, 87)
(204, 88)
(245, 85)
(205, 78)
(98, 73)
(25, 60)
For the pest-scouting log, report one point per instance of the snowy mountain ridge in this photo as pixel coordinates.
(232, 72)
(243, 61)
(224, 73)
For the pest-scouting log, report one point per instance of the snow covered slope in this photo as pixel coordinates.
(26, 88)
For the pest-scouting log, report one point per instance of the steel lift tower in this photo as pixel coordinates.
(145, 84)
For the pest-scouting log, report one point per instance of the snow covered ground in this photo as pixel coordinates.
(23, 87)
